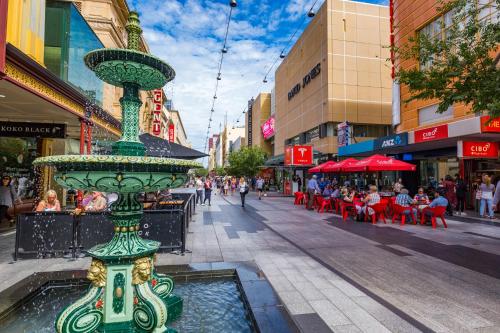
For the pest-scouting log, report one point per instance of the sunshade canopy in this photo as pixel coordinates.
(379, 163)
(322, 167)
(340, 165)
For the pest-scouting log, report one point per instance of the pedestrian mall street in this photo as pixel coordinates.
(335, 276)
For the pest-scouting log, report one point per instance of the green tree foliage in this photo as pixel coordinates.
(246, 162)
(220, 171)
(201, 172)
(461, 62)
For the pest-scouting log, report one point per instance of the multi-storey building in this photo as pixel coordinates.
(336, 72)
(456, 141)
(258, 116)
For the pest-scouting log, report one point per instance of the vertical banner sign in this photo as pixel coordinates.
(288, 155)
(249, 129)
(343, 134)
(171, 132)
(157, 106)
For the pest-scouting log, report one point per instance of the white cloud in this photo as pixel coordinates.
(188, 36)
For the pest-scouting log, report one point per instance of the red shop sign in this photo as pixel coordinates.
(431, 133)
(479, 149)
(156, 128)
(171, 132)
(492, 127)
(302, 155)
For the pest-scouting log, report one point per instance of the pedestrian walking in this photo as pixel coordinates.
(487, 189)
(199, 191)
(398, 185)
(312, 189)
(8, 197)
(461, 192)
(243, 190)
(260, 186)
(496, 198)
(208, 191)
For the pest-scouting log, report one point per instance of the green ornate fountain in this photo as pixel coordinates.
(126, 294)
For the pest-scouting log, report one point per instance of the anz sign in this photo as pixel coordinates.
(397, 140)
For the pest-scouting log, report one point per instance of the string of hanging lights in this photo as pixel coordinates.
(232, 4)
(310, 14)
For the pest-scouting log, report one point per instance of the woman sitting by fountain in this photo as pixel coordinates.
(50, 203)
(97, 204)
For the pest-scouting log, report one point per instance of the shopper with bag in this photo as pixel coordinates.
(243, 190)
(487, 190)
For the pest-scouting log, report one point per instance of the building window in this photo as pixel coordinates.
(68, 38)
(436, 29)
(370, 131)
(488, 10)
(428, 115)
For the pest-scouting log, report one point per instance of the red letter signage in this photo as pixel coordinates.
(431, 133)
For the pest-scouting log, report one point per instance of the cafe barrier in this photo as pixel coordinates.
(51, 234)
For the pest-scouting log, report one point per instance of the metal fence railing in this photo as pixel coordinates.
(57, 234)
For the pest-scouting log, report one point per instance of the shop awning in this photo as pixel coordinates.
(379, 163)
(322, 167)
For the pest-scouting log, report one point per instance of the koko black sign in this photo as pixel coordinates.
(305, 81)
(32, 130)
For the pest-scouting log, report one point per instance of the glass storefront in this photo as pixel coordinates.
(432, 171)
(68, 38)
(16, 157)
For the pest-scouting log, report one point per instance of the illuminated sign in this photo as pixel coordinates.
(477, 149)
(431, 133)
(490, 127)
(157, 106)
(299, 155)
(268, 128)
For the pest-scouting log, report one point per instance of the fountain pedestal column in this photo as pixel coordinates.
(126, 294)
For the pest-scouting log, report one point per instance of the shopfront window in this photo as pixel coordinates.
(16, 157)
(433, 171)
(68, 38)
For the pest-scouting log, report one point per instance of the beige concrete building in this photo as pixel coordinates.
(260, 113)
(336, 71)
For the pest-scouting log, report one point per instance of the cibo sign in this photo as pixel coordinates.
(431, 133)
(305, 81)
(477, 149)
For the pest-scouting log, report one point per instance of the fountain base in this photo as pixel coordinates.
(123, 298)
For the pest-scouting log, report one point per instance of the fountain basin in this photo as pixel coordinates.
(122, 174)
(119, 66)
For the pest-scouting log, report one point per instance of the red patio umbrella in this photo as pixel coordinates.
(340, 165)
(379, 163)
(322, 167)
(391, 165)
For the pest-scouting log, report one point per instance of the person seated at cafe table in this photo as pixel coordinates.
(421, 198)
(439, 201)
(404, 200)
(327, 192)
(336, 192)
(50, 203)
(97, 204)
(371, 199)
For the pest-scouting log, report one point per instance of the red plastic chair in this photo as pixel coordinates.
(306, 199)
(378, 212)
(336, 204)
(436, 212)
(344, 211)
(318, 198)
(325, 203)
(299, 198)
(398, 211)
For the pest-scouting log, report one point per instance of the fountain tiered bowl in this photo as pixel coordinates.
(126, 294)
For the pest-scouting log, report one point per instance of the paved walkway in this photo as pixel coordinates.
(342, 277)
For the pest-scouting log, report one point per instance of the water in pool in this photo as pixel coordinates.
(209, 306)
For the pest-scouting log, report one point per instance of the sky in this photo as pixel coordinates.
(188, 35)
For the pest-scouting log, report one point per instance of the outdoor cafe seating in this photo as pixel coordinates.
(387, 206)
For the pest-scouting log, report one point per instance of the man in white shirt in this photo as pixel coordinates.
(199, 190)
